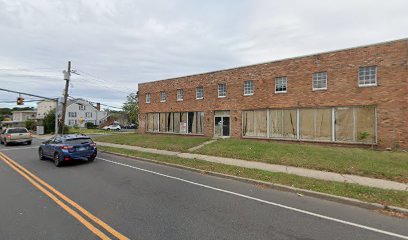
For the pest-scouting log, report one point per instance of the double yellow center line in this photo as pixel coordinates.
(57, 197)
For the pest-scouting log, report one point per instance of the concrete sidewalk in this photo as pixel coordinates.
(329, 176)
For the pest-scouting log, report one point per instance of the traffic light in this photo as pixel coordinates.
(20, 101)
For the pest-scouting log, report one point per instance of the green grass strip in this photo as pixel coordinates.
(363, 193)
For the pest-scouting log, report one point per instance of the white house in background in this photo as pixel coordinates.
(19, 118)
(22, 116)
(43, 107)
(81, 109)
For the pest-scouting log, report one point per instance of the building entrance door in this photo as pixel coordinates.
(221, 124)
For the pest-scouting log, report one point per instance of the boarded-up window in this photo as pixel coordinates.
(315, 124)
(323, 124)
(150, 120)
(344, 124)
(307, 123)
(275, 123)
(365, 122)
(199, 122)
(162, 126)
(260, 123)
(183, 122)
(289, 123)
(155, 122)
(248, 123)
(282, 123)
(176, 122)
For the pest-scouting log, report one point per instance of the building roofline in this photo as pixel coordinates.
(280, 60)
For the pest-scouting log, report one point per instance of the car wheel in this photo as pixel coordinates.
(41, 154)
(57, 160)
(91, 159)
(1, 141)
(6, 143)
(29, 143)
(108, 129)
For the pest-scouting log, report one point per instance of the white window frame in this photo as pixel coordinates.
(222, 90)
(88, 114)
(248, 88)
(163, 96)
(72, 114)
(81, 107)
(282, 80)
(197, 91)
(180, 95)
(369, 74)
(318, 77)
(148, 97)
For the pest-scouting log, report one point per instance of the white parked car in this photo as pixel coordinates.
(112, 127)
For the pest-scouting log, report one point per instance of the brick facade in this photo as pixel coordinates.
(390, 96)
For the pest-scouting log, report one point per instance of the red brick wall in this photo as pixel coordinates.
(390, 96)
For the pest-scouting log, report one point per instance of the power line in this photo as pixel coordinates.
(97, 79)
(92, 102)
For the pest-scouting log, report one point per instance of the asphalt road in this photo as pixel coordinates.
(142, 200)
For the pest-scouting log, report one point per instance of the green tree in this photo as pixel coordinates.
(131, 108)
(30, 124)
(49, 122)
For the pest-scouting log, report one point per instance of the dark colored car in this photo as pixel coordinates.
(68, 148)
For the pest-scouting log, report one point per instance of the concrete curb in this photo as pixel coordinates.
(325, 196)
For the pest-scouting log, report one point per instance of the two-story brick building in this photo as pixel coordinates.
(357, 96)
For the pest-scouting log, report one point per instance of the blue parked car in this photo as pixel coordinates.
(67, 148)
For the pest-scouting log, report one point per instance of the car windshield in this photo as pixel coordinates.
(17, 130)
(75, 141)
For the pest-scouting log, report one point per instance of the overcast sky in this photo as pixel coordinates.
(114, 45)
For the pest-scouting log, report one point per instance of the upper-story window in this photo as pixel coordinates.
(180, 94)
(248, 88)
(222, 90)
(281, 84)
(88, 114)
(199, 92)
(320, 81)
(367, 76)
(147, 97)
(162, 96)
(72, 114)
(81, 107)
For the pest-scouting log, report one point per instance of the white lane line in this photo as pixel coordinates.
(15, 149)
(263, 201)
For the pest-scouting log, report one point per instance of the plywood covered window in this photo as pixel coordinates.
(315, 124)
(344, 124)
(283, 123)
(248, 123)
(365, 124)
(155, 122)
(260, 123)
(162, 121)
(149, 122)
(176, 122)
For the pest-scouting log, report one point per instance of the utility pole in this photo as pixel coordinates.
(67, 75)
